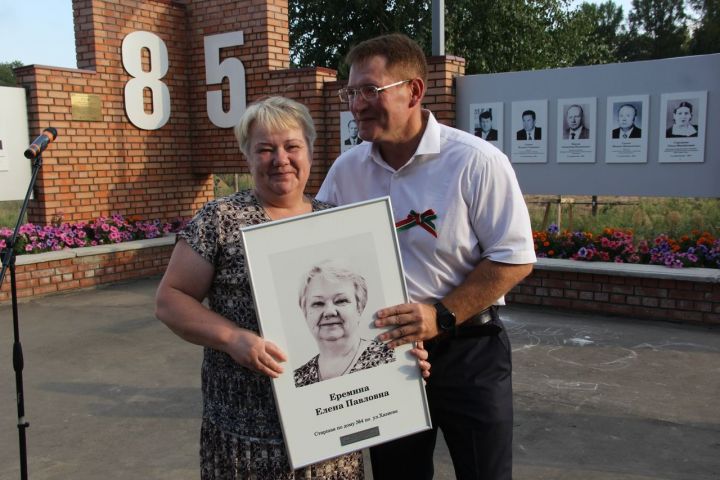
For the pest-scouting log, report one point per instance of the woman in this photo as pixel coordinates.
(682, 126)
(333, 298)
(241, 435)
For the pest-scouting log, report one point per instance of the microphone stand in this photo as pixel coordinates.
(8, 263)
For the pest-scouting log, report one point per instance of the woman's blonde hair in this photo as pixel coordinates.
(275, 114)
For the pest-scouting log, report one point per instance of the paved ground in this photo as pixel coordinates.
(112, 394)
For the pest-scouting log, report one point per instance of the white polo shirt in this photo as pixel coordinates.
(470, 187)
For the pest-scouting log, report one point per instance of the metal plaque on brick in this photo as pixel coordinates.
(86, 107)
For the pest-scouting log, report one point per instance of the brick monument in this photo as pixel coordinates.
(164, 80)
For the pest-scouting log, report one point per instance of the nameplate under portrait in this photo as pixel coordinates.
(317, 281)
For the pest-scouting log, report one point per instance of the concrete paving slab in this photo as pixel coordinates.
(113, 394)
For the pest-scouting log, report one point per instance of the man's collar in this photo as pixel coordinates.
(430, 142)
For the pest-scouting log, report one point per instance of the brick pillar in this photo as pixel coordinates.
(266, 48)
(110, 166)
(440, 96)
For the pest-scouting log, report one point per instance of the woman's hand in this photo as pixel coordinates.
(255, 353)
(422, 356)
(186, 282)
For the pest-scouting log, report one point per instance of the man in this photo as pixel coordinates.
(353, 129)
(486, 132)
(576, 126)
(529, 130)
(466, 241)
(626, 122)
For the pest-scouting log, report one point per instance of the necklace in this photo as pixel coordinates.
(347, 367)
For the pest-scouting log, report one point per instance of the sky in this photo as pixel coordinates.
(41, 31)
(37, 32)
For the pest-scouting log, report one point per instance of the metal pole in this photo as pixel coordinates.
(438, 27)
(8, 263)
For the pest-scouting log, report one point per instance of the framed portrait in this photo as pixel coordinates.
(317, 281)
(530, 130)
(486, 121)
(626, 132)
(682, 127)
(3, 157)
(348, 132)
(576, 130)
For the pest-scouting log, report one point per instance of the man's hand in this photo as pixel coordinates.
(412, 322)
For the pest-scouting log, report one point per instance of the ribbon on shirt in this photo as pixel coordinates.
(424, 220)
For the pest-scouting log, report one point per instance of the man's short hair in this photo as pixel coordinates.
(628, 105)
(403, 54)
(486, 114)
(575, 105)
(528, 112)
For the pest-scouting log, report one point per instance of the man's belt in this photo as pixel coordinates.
(482, 324)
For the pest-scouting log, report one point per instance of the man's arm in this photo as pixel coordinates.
(483, 286)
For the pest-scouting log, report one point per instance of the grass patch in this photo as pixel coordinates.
(9, 211)
(648, 217)
(229, 183)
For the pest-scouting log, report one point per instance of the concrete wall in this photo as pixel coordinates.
(653, 78)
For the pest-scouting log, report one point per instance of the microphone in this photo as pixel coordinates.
(40, 143)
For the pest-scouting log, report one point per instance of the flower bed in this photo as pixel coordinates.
(101, 231)
(699, 249)
(74, 268)
(626, 287)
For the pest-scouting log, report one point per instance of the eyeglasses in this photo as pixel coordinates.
(368, 92)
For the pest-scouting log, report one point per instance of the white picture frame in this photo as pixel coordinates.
(581, 149)
(359, 408)
(348, 132)
(682, 149)
(495, 110)
(632, 147)
(524, 150)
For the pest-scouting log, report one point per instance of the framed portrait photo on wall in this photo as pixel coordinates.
(317, 281)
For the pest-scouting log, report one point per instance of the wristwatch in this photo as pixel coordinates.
(445, 318)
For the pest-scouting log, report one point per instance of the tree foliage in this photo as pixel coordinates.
(604, 31)
(323, 31)
(492, 35)
(658, 29)
(504, 35)
(706, 38)
(7, 76)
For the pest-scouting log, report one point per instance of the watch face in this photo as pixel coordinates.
(445, 318)
(446, 321)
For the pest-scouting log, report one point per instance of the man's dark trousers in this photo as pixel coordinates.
(470, 398)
